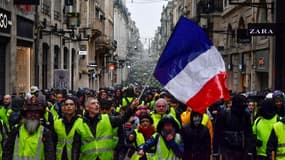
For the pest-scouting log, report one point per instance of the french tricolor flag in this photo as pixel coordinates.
(191, 68)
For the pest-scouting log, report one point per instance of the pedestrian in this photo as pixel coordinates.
(30, 139)
(206, 121)
(167, 141)
(196, 138)
(65, 128)
(162, 109)
(252, 108)
(233, 132)
(7, 104)
(262, 127)
(276, 143)
(278, 98)
(141, 134)
(93, 140)
(55, 109)
(14, 113)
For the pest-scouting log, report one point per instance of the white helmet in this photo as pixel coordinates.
(269, 95)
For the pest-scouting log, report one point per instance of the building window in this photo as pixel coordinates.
(45, 7)
(73, 62)
(56, 57)
(230, 37)
(45, 65)
(66, 58)
(57, 10)
(262, 12)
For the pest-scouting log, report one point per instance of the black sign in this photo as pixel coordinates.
(262, 29)
(5, 21)
(31, 2)
(243, 36)
(25, 27)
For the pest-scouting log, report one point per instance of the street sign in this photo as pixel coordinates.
(61, 79)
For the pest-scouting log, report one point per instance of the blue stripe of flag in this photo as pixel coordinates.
(187, 42)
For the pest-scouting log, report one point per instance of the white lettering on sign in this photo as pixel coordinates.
(262, 31)
(3, 20)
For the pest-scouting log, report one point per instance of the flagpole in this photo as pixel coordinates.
(148, 79)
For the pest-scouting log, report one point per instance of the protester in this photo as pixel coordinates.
(233, 133)
(94, 138)
(197, 140)
(30, 139)
(262, 127)
(55, 109)
(4, 107)
(65, 128)
(275, 146)
(138, 137)
(278, 98)
(167, 141)
(162, 109)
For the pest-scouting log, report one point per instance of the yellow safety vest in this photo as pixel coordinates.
(28, 146)
(63, 138)
(262, 128)
(139, 140)
(163, 152)
(279, 129)
(99, 146)
(157, 117)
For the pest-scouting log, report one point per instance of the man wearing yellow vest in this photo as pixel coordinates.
(65, 128)
(30, 140)
(262, 127)
(94, 139)
(162, 109)
(7, 100)
(276, 143)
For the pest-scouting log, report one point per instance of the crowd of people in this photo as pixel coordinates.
(139, 123)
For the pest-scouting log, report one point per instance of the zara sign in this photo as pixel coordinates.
(262, 29)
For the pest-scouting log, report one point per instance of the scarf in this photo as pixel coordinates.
(147, 132)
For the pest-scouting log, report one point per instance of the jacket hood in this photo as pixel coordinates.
(239, 103)
(267, 109)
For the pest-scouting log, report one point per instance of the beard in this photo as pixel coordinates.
(31, 125)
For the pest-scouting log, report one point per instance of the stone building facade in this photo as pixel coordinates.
(58, 44)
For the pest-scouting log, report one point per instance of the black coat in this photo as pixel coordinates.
(236, 122)
(197, 142)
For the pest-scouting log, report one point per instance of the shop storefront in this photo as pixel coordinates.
(5, 29)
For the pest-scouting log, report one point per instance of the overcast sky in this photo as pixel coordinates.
(146, 14)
